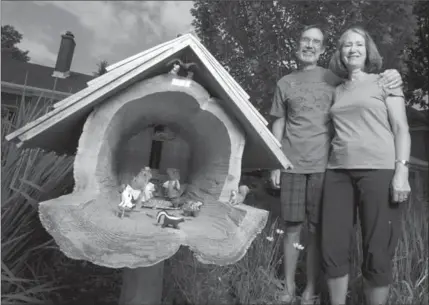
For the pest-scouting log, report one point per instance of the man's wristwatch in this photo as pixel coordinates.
(404, 162)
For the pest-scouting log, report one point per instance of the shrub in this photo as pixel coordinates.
(28, 176)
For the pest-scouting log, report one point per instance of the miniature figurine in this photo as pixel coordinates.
(233, 198)
(240, 196)
(172, 185)
(128, 195)
(192, 208)
(141, 181)
(169, 220)
(148, 192)
(181, 64)
(175, 69)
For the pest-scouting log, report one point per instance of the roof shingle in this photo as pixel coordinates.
(14, 71)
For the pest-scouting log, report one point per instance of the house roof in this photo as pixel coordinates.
(60, 129)
(38, 76)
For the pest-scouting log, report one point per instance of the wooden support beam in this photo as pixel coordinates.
(142, 286)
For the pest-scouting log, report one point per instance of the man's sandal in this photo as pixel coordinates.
(312, 301)
(285, 298)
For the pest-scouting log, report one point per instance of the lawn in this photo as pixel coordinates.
(34, 271)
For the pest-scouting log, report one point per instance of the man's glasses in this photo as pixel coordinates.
(308, 41)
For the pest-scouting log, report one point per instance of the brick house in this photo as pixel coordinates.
(40, 83)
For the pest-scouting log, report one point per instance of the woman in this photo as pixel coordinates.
(367, 170)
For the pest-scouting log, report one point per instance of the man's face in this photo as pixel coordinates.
(310, 46)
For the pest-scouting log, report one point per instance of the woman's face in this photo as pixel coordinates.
(353, 51)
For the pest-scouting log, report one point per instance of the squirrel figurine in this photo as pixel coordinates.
(190, 68)
(172, 186)
(238, 197)
(169, 220)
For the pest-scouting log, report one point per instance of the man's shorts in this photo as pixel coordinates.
(301, 196)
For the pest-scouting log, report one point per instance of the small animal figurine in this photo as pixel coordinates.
(185, 66)
(192, 208)
(175, 69)
(128, 196)
(172, 185)
(233, 198)
(238, 197)
(169, 220)
(148, 192)
(141, 181)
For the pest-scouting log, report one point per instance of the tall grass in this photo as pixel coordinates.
(28, 176)
(256, 278)
(252, 280)
(32, 267)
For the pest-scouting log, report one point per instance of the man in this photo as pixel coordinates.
(301, 104)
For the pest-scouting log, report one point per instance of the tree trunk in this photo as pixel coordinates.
(142, 286)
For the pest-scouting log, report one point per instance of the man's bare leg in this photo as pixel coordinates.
(312, 267)
(291, 254)
(338, 289)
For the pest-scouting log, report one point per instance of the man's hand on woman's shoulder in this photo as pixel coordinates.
(391, 79)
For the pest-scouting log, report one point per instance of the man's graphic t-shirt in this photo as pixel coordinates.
(304, 98)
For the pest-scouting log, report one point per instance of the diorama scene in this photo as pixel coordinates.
(139, 171)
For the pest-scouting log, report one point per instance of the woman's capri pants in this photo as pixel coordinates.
(366, 193)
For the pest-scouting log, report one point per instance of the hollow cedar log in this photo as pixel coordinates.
(84, 223)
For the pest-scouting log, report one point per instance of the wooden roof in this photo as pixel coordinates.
(59, 130)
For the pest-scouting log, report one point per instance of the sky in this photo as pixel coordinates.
(103, 30)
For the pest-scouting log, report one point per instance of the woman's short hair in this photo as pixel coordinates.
(373, 62)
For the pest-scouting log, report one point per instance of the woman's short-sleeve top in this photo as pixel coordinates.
(363, 136)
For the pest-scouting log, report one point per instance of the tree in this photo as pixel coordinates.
(9, 39)
(417, 58)
(102, 65)
(255, 40)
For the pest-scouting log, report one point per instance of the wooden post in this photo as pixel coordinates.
(142, 286)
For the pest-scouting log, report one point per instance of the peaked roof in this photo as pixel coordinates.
(38, 76)
(60, 129)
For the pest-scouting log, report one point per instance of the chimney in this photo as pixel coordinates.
(65, 56)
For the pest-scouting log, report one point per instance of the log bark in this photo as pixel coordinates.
(142, 286)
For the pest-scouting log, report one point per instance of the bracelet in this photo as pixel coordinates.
(404, 162)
